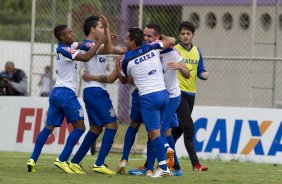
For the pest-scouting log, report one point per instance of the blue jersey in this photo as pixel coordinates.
(144, 66)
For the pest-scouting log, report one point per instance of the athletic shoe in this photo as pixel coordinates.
(30, 165)
(63, 165)
(121, 167)
(76, 168)
(137, 172)
(102, 169)
(176, 173)
(160, 173)
(149, 173)
(200, 167)
(170, 158)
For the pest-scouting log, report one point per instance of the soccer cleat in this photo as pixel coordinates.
(30, 165)
(137, 172)
(149, 173)
(63, 165)
(76, 168)
(102, 169)
(170, 158)
(160, 173)
(200, 167)
(176, 173)
(121, 167)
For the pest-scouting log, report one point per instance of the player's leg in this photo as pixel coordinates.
(176, 171)
(153, 108)
(94, 132)
(106, 114)
(129, 138)
(54, 118)
(184, 116)
(74, 114)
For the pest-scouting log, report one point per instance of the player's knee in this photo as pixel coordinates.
(113, 126)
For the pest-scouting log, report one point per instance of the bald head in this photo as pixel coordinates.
(9, 66)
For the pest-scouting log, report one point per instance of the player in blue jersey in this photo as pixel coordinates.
(172, 63)
(63, 100)
(97, 100)
(142, 63)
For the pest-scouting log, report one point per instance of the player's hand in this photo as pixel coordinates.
(115, 37)
(173, 65)
(205, 75)
(104, 22)
(86, 77)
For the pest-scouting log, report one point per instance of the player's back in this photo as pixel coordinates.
(144, 65)
(96, 65)
(170, 76)
(66, 66)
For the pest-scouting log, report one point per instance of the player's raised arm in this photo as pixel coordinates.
(168, 41)
(93, 51)
(181, 67)
(107, 48)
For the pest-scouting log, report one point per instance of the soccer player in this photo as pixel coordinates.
(97, 100)
(142, 63)
(193, 59)
(63, 101)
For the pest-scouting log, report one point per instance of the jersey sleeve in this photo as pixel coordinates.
(68, 52)
(74, 45)
(201, 67)
(177, 56)
(158, 44)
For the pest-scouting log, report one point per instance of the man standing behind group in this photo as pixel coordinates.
(192, 57)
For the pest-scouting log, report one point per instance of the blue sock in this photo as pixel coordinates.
(159, 150)
(88, 141)
(39, 143)
(107, 141)
(151, 157)
(171, 143)
(128, 141)
(71, 142)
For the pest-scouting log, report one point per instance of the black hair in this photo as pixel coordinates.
(186, 25)
(137, 35)
(156, 27)
(91, 21)
(58, 31)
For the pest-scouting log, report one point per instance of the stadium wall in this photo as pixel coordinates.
(246, 134)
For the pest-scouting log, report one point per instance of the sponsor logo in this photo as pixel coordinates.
(218, 138)
(152, 72)
(144, 58)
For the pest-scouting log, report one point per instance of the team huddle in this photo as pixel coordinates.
(163, 76)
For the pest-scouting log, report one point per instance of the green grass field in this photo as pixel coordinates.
(13, 170)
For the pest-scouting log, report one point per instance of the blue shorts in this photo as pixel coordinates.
(63, 103)
(153, 108)
(135, 113)
(170, 112)
(98, 106)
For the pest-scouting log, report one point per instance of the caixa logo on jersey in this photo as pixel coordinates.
(240, 137)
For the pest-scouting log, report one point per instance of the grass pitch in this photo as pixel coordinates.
(13, 170)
